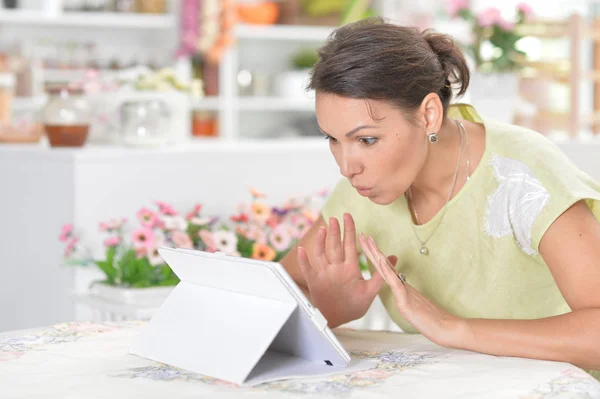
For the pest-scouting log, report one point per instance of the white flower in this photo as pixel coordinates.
(200, 221)
(280, 237)
(154, 257)
(225, 241)
(175, 223)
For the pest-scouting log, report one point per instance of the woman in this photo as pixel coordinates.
(491, 235)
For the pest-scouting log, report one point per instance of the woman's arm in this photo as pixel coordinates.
(571, 249)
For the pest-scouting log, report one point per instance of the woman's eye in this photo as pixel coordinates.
(331, 139)
(368, 140)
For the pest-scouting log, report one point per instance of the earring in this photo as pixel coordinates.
(433, 138)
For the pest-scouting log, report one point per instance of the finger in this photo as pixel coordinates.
(365, 245)
(334, 242)
(319, 257)
(386, 268)
(350, 252)
(374, 284)
(304, 263)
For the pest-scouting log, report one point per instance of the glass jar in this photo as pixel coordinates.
(66, 117)
(145, 122)
(125, 5)
(151, 6)
(204, 124)
(7, 84)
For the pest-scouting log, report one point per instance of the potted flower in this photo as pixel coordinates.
(495, 51)
(135, 273)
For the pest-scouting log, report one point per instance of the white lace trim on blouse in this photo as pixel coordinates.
(517, 202)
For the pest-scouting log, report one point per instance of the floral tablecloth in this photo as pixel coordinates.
(90, 360)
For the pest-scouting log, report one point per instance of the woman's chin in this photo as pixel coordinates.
(380, 200)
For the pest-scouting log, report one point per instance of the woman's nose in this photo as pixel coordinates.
(349, 167)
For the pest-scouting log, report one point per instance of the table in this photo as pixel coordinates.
(90, 360)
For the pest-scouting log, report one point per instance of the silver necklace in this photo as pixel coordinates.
(461, 130)
(462, 127)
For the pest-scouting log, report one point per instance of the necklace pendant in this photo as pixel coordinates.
(424, 250)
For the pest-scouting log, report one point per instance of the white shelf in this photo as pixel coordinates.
(29, 103)
(207, 103)
(283, 32)
(88, 19)
(275, 104)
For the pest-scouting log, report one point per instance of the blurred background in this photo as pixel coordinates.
(108, 106)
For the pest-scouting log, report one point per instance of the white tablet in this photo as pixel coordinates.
(240, 320)
(305, 334)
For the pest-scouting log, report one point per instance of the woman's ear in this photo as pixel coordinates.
(433, 113)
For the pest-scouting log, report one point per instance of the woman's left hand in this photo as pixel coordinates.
(435, 323)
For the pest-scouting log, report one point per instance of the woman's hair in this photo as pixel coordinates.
(374, 59)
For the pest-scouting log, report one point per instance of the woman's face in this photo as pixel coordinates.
(380, 152)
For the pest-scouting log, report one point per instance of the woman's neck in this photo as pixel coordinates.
(437, 174)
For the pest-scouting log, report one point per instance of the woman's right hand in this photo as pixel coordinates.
(333, 277)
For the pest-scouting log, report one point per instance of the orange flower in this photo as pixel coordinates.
(263, 252)
(310, 216)
(257, 194)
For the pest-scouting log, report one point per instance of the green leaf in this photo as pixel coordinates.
(174, 280)
(108, 269)
(110, 254)
(142, 284)
(245, 246)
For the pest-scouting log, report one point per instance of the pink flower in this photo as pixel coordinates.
(181, 239)
(165, 209)
(140, 252)
(280, 238)
(505, 25)
(526, 10)
(147, 218)
(456, 6)
(66, 232)
(325, 191)
(273, 221)
(300, 226)
(112, 241)
(143, 238)
(489, 17)
(256, 233)
(113, 224)
(71, 246)
(195, 212)
(208, 240)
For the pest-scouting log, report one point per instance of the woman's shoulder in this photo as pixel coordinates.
(514, 142)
